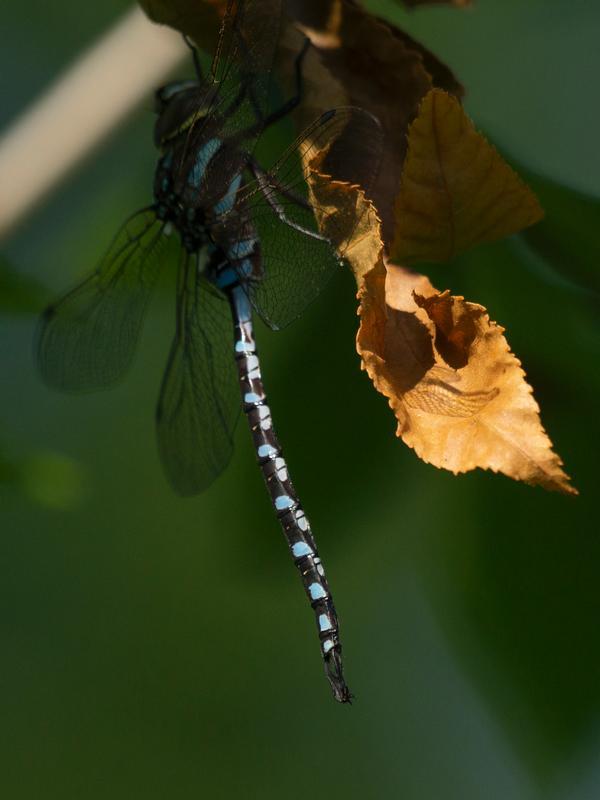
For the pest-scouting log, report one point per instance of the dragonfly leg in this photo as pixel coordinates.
(268, 180)
(291, 104)
(236, 103)
(287, 108)
(267, 183)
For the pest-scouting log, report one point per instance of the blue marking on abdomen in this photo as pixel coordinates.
(283, 501)
(226, 277)
(316, 591)
(324, 623)
(203, 158)
(225, 205)
(243, 309)
(266, 451)
(300, 549)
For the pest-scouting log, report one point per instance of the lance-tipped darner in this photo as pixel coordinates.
(248, 241)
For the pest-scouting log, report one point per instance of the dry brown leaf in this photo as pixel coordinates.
(356, 231)
(456, 190)
(199, 19)
(458, 393)
(343, 25)
(367, 62)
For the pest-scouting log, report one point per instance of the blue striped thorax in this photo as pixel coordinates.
(183, 109)
(197, 181)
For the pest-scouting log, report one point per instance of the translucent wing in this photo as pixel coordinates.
(199, 400)
(297, 260)
(227, 112)
(242, 66)
(86, 340)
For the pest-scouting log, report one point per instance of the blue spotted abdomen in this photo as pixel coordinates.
(283, 495)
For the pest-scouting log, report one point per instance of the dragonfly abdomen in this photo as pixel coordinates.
(283, 495)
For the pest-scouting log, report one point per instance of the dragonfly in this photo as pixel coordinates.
(244, 240)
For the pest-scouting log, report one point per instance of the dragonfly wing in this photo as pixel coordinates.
(220, 122)
(86, 340)
(243, 63)
(297, 259)
(295, 267)
(199, 400)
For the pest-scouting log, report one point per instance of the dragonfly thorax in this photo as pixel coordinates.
(189, 219)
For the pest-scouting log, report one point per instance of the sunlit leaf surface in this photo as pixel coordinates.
(458, 393)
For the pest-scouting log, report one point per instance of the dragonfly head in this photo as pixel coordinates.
(164, 95)
(179, 106)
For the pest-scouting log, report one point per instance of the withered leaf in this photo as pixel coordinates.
(456, 190)
(199, 19)
(458, 393)
(367, 62)
(357, 229)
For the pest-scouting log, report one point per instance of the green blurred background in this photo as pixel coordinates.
(154, 647)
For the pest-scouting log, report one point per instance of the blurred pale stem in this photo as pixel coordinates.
(80, 109)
